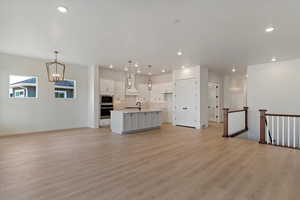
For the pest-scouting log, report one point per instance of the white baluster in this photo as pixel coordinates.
(277, 132)
(294, 132)
(267, 129)
(282, 134)
(272, 129)
(289, 132)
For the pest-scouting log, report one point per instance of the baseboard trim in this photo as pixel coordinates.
(39, 132)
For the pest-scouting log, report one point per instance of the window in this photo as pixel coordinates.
(20, 93)
(65, 89)
(23, 86)
(60, 94)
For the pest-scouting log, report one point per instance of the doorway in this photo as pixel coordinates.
(213, 102)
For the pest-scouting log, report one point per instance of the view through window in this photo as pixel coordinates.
(65, 89)
(22, 86)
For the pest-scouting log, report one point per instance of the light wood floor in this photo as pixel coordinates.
(173, 163)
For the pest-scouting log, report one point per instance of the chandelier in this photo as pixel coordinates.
(55, 70)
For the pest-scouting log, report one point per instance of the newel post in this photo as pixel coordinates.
(225, 128)
(246, 118)
(262, 138)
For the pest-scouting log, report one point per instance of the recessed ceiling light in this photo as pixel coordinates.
(269, 29)
(136, 65)
(179, 53)
(182, 67)
(62, 9)
(111, 66)
(138, 71)
(274, 59)
(125, 69)
(163, 70)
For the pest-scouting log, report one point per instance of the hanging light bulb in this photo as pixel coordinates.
(55, 70)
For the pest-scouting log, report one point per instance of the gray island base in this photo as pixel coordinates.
(132, 121)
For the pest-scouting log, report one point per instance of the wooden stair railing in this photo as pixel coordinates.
(279, 129)
(226, 132)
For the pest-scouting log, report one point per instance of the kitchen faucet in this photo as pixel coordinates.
(139, 104)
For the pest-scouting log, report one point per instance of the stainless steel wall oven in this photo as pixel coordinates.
(106, 105)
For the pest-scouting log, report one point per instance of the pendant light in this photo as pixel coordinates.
(149, 84)
(55, 70)
(129, 75)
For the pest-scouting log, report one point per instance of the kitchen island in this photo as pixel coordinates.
(134, 120)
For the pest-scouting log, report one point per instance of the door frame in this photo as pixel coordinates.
(218, 109)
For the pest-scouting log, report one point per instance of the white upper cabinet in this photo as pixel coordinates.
(119, 91)
(106, 87)
(167, 88)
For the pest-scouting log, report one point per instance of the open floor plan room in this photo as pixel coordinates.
(140, 100)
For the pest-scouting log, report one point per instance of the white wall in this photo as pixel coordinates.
(203, 97)
(45, 112)
(275, 87)
(235, 88)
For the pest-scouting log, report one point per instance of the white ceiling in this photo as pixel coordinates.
(213, 33)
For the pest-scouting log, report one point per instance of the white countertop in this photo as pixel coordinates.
(136, 110)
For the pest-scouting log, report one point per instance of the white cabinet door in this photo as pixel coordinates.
(147, 119)
(106, 86)
(158, 119)
(185, 102)
(155, 119)
(141, 120)
(134, 121)
(119, 90)
(168, 88)
(152, 120)
(127, 122)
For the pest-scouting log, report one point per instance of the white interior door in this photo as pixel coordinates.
(185, 102)
(213, 102)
